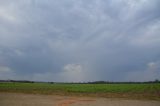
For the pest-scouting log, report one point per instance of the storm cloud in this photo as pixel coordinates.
(80, 40)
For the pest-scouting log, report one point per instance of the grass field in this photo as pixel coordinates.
(150, 91)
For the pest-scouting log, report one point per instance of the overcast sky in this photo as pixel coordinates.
(80, 40)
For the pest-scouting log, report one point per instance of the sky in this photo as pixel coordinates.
(80, 40)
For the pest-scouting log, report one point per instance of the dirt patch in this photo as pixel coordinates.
(71, 101)
(67, 102)
(16, 99)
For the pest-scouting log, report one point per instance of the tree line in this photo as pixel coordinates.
(91, 82)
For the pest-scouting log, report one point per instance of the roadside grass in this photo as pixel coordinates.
(148, 91)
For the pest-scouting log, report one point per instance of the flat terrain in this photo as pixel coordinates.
(133, 91)
(19, 99)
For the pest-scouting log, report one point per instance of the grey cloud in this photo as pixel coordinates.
(111, 40)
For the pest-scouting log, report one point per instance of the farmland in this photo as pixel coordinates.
(133, 91)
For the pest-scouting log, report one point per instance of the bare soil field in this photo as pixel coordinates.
(19, 99)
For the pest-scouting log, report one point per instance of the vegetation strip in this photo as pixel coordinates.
(148, 91)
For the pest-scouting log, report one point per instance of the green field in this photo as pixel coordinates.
(106, 90)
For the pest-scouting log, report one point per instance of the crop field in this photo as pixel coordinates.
(148, 91)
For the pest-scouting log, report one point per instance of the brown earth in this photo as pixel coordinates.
(19, 99)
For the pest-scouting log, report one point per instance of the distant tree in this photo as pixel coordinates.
(156, 81)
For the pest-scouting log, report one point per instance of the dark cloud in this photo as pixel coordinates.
(100, 40)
